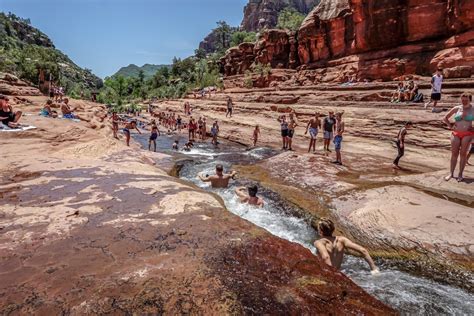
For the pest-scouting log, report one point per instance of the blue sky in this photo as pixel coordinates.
(104, 35)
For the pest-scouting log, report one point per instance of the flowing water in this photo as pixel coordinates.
(409, 294)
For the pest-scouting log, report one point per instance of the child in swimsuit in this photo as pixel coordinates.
(154, 135)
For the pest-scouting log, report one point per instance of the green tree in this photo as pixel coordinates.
(223, 33)
(290, 19)
(241, 37)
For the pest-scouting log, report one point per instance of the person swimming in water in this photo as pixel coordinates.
(155, 132)
(175, 145)
(127, 128)
(220, 179)
(313, 126)
(331, 248)
(462, 134)
(250, 198)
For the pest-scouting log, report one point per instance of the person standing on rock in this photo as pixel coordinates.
(179, 123)
(256, 134)
(328, 129)
(313, 126)
(155, 132)
(127, 128)
(400, 142)
(204, 129)
(192, 126)
(339, 130)
(220, 179)
(291, 129)
(462, 134)
(436, 84)
(284, 131)
(250, 198)
(331, 248)
(215, 133)
(230, 107)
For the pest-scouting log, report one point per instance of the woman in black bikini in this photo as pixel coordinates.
(284, 131)
(7, 116)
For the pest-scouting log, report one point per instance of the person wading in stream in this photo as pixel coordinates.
(250, 198)
(220, 179)
(331, 248)
(401, 143)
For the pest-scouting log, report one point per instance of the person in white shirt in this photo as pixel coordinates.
(436, 83)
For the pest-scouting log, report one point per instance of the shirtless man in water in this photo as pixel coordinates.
(220, 179)
(331, 249)
(250, 198)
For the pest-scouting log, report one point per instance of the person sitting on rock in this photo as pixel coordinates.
(47, 112)
(398, 94)
(331, 248)
(7, 116)
(67, 111)
(220, 179)
(250, 198)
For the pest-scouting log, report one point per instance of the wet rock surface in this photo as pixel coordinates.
(89, 226)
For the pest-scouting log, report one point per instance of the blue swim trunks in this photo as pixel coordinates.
(338, 142)
(313, 132)
(69, 116)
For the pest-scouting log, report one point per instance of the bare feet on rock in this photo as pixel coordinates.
(448, 177)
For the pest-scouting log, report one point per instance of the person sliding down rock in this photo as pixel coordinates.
(220, 179)
(250, 198)
(331, 248)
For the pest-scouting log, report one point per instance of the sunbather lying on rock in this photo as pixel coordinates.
(7, 116)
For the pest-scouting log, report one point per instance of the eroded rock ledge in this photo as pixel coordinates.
(89, 226)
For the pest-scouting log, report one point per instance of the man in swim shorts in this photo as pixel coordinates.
(155, 132)
(328, 129)
(436, 85)
(291, 129)
(331, 249)
(313, 127)
(339, 128)
(220, 179)
(127, 128)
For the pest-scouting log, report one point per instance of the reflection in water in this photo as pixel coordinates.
(406, 293)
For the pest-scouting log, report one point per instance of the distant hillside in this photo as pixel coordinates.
(133, 70)
(29, 54)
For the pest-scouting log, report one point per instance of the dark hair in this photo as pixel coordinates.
(49, 102)
(3, 97)
(253, 190)
(439, 69)
(326, 226)
(467, 95)
(219, 168)
(408, 123)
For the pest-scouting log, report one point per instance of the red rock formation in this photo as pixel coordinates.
(376, 40)
(259, 14)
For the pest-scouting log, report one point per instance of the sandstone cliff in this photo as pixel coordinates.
(260, 14)
(371, 40)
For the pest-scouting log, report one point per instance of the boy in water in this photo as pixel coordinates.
(127, 128)
(331, 249)
(313, 126)
(339, 130)
(175, 145)
(250, 198)
(256, 133)
(220, 179)
(401, 143)
(155, 132)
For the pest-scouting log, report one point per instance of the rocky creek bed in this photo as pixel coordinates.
(400, 284)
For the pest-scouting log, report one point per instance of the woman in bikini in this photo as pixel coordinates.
(462, 134)
(7, 116)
